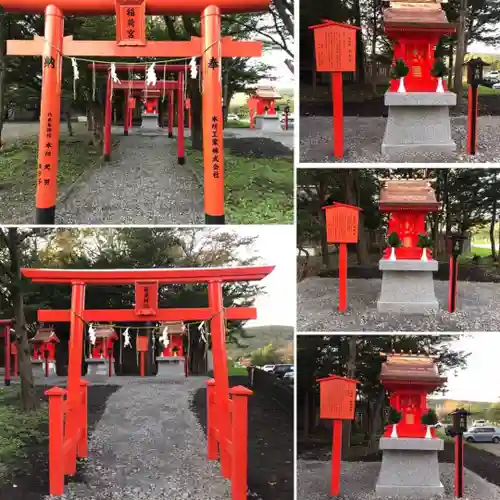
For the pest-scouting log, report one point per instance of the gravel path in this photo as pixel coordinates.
(363, 141)
(358, 480)
(143, 184)
(149, 446)
(317, 301)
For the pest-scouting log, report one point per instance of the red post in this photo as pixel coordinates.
(126, 119)
(473, 105)
(7, 354)
(190, 120)
(46, 353)
(73, 416)
(211, 421)
(459, 465)
(81, 450)
(107, 121)
(56, 440)
(110, 362)
(343, 277)
(50, 117)
(286, 120)
(336, 454)
(170, 113)
(338, 115)
(131, 117)
(453, 285)
(142, 363)
(181, 158)
(223, 418)
(240, 442)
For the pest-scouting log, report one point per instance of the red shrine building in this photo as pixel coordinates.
(105, 337)
(416, 28)
(174, 333)
(409, 378)
(264, 99)
(408, 202)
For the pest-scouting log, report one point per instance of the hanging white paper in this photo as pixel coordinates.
(92, 334)
(114, 76)
(193, 68)
(151, 75)
(126, 337)
(164, 337)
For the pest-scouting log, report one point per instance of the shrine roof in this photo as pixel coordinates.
(105, 332)
(267, 93)
(411, 368)
(177, 327)
(423, 13)
(44, 335)
(407, 194)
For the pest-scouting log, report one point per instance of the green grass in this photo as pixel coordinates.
(234, 124)
(19, 432)
(236, 371)
(257, 190)
(487, 91)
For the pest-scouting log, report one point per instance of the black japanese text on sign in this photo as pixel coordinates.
(215, 148)
(44, 168)
(131, 30)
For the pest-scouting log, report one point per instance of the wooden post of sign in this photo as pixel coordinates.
(343, 277)
(336, 455)
(338, 115)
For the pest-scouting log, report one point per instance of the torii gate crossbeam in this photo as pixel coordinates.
(131, 42)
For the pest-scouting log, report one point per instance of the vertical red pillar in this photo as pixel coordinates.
(239, 440)
(338, 115)
(6, 338)
(126, 118)
(142, 363)
(336, 454)
(56, 440)
(82, 448)
(213, 140)
(16, 360)
(107, 120)
(286, 120)
(211, 421)
(74, 371)
(50, 117)
(223, 418)
(170, 114)
(343, 277)
(46, 353)
(181, 158)
(110, 362)
(472, 120)
(459, 465)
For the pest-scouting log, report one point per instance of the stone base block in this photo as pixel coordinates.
(38, 367)
(407, 287)
(268, 123)
(99, 367)
(418, 122)
(410, 468)
(150, 123)
(169, 366)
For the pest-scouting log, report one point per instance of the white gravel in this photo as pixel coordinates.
(148, 445)
(358, 480)
(317, 308)
(363, 141)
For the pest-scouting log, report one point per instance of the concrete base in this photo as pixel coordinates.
(99, 367)
(418, 122)
(407, 287)
(166, 364)
(150, 123)
(410, 468)
(268, 123)
(38, 367)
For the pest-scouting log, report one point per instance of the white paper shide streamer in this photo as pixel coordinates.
(164, 337)
(126, 338)
(193, 67)
(114, 77)
(76, 76)
(203, 332)
(92, 334)
(151, 75)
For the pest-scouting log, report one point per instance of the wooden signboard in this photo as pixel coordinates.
(337, 397)
(342, 223)
(130, 22)
(146, 298)
(141, 343)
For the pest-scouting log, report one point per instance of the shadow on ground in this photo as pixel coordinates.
(257, 147)
(270, 444)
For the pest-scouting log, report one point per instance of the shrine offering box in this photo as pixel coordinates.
(342, 223)
(335, 46)
(337, 397)
(141, 344)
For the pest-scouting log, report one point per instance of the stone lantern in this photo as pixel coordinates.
(407, 281)
(410, 448)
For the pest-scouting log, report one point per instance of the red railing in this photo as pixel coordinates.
(66, 442)
(230, 444)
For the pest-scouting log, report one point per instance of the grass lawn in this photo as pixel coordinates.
(257, 190)
(236, 371)
(18, 161)
(20, 432)
(241, 124)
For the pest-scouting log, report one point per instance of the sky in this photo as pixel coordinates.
(276, 246)
(479, 381)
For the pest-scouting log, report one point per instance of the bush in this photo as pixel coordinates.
(429, 418)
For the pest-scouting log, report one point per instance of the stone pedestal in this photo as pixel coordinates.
(99, 367)
(410, 468)
(407, 286)
(169, 366)
(150, 123)
(38, 367)
(268, 123)
(418, 122)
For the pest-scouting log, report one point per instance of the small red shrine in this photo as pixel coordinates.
(150, 100)
(408, 202)
(105, 337)
(409, 378)
(265, 100)
(175, 331)
(44, 344)
(416, 26)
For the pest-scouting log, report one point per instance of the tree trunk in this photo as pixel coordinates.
(70, 125)
(351, 373)
(377, 421)
(196, 114)
(360, 49)
(322, 185)
(2, 72)
(28, 398)
(459, 60)
(452, 66)
(492, 225)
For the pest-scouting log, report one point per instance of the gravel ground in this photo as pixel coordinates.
(358, 480)
(143, 184)
(317, 301)
(148, 445)
(363, 141)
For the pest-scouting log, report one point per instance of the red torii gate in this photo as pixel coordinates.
(131, 42)
(68, 438)
(5, 326)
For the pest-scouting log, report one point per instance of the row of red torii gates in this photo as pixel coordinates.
(131, 42)
(227, 415)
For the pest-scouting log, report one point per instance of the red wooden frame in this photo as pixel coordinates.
(5, 326)
(215, 313)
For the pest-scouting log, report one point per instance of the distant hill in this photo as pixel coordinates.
(260, 336)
